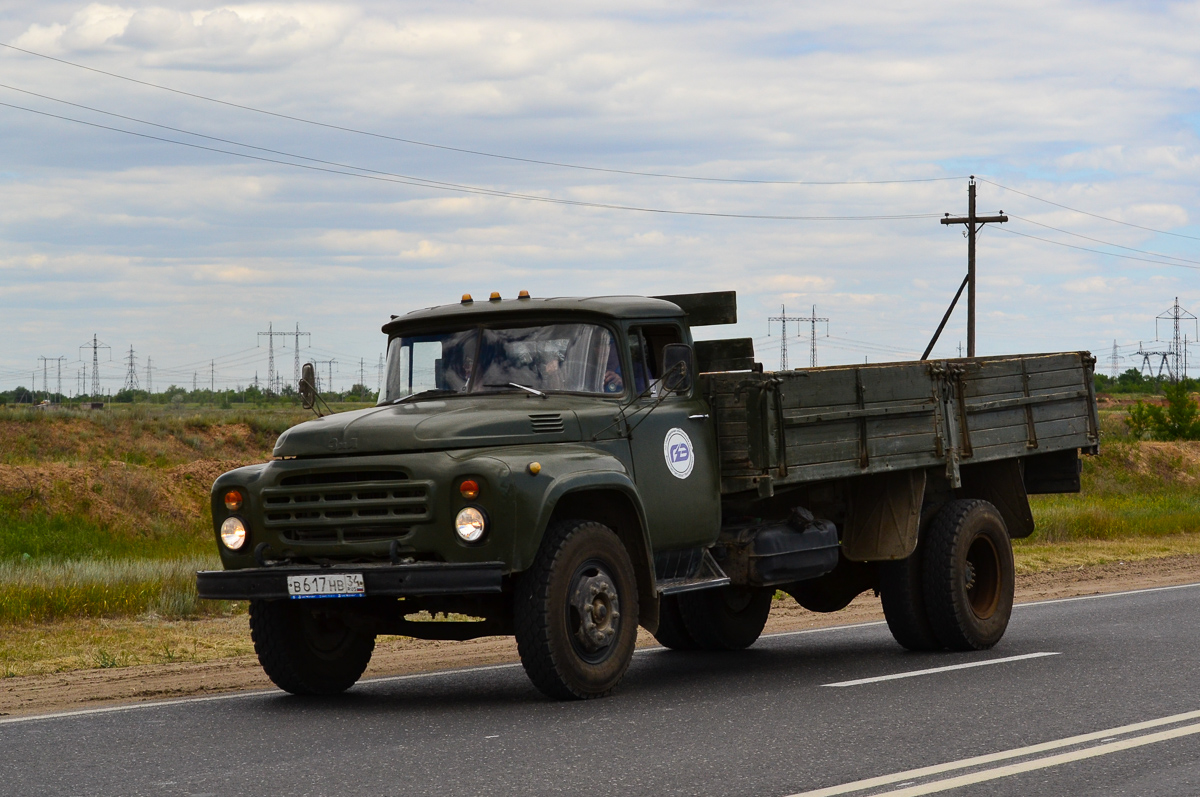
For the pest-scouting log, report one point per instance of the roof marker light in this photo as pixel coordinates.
(523, 295)
(467, 298)
(495, 296)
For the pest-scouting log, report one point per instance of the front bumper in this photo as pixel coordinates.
(422, 578)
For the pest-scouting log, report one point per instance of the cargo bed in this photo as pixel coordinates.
(815, 424)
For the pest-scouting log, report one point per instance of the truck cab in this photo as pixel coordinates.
(500, 424)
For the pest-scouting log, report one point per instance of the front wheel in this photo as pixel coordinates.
(305, 648)
(577, 612)
(969, 575)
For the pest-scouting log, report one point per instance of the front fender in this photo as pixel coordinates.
(564, 469)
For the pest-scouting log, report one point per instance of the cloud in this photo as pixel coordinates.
(1088, 108)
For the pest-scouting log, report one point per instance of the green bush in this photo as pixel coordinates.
(1179, 420)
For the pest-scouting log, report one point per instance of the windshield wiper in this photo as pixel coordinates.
(437, 391)
(526, 388)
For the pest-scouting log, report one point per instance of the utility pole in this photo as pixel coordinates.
(272, 375)
(362, 387)
(1113, 359)
(1175, 314)
(194, 384)
(131, 380)
(96, 346)
(379, 378)
(212, 376)
(149, 378)
(974, 224)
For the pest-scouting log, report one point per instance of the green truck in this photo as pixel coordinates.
(566, 469)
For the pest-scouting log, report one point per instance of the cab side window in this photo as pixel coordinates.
(646, 347)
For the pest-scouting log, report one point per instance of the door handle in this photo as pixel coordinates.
(700, 417)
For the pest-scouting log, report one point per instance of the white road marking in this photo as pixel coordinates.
(1005, 755)
(1045, 763)
(932, 670)
(439, 673)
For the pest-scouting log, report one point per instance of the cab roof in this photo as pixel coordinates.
(616, 307)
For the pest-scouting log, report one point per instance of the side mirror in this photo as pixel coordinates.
(677, 367)
(308, 390)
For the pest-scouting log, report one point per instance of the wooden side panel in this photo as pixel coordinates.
(826, 423)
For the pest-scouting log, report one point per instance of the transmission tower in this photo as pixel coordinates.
(45, 370)
(272, 375)
(317, 367)
(1114, 359)
(131, 380)
(1164, 363)
(1175, 314)
(96, 346)
(149, 378)
(298, 334)
(195, 384)
(379, 377)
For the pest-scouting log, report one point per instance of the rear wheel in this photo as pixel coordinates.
(969, 575)
(726, 618)
(577, 612)
(305, 648)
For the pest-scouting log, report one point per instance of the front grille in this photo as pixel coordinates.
(549, 422)
(346, 506)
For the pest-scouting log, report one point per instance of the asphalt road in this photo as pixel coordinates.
(1114, 711)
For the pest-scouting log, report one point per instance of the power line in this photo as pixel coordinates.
(1106, 243)
(464, 150)
(387, 177)
(1086, 213)
(1097, 251)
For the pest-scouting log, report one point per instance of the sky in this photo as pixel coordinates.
(493, 152)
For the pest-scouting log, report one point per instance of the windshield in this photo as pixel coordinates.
(566, 358)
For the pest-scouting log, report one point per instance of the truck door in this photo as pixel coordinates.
(674, 449)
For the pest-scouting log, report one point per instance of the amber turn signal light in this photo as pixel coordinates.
(233, 500)
(469, 489)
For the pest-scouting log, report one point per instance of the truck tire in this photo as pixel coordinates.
(672, 632)
(969, 575)
(726, 618)
(305, 650)
(902, 592)
(576, 612)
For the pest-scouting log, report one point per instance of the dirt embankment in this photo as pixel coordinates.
(395, 656)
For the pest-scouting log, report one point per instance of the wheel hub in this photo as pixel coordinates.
(597, 606)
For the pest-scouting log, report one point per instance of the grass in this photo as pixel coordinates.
(104, 518)
(45, 591)
(1130, 490)
(87, 643)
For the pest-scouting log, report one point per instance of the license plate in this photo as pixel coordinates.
(326, 585)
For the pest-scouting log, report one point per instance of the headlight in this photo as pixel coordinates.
(470, 524)
(233, 533)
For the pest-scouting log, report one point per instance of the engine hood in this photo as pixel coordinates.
(432, 425)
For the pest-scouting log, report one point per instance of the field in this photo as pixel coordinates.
(104, 519)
